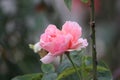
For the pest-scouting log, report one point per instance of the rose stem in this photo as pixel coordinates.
(93, 39)
(68, 56)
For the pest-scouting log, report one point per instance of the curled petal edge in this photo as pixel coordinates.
(82, 44)
(49, 58)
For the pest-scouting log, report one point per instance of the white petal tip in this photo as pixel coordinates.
(37, 47)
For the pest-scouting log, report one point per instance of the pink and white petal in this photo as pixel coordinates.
(49, 58)
(71, 50)
(61, 44)
(72, 28)
(52, 30)
(82, 43)
(46, 44)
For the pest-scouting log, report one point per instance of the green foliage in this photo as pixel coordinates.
(66, 72)
(49, 76)
(49, 72)
(102, 71)
(84, 67)
(68, 3)
(99, 68)
(47, 68)
(36, 76)
(85, 1)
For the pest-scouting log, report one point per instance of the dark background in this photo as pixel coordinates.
(22, 22)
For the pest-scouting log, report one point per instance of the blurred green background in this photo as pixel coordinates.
(23, 21)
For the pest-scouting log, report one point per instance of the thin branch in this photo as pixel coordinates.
(93, 39)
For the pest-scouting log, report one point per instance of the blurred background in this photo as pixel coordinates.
(23, 21)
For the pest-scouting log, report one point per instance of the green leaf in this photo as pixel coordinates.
(103, 70)
(50, 76)
(66, 73)
(35, 76)
(68, 3)
(106, 75)
(85, 1)
(63, 65)
(46, 68)
(99, 68)
(87, 71)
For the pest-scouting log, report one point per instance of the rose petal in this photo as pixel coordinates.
(48, 58)
(58, 45)
(52, 30)
(72, 28)
(61, 44)
(82, 43)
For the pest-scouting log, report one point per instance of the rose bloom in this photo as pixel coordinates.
(56, 41)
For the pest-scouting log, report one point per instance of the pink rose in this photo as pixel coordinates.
(56, 41)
